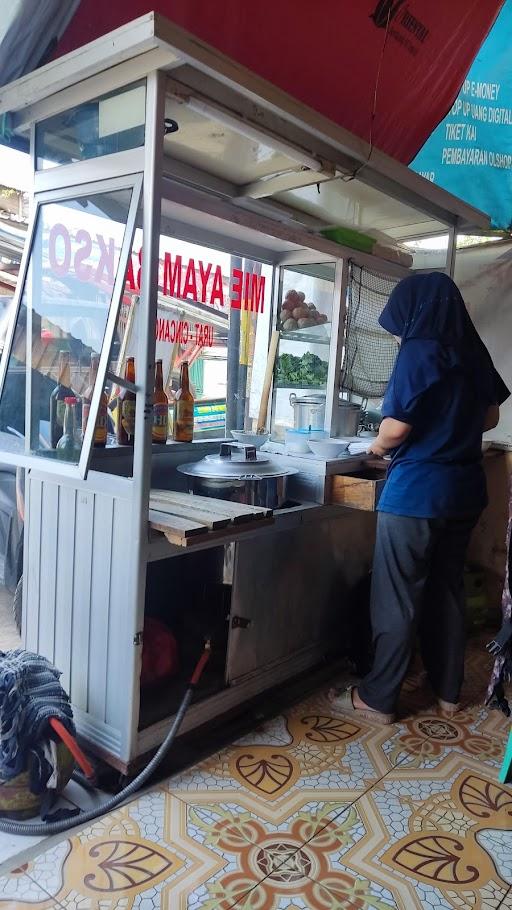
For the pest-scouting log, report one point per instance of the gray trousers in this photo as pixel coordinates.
(417, 586)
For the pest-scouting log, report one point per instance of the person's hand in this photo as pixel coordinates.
(377, 449)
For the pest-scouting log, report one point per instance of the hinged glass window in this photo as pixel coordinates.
(65, 320)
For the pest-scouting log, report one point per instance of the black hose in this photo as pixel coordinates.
(42, 829)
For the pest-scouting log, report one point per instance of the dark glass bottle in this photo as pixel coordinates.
(183, 428)
(126, 408)
(160, 408)
(100, 430)
(58, 397)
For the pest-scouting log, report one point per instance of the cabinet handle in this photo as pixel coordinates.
(240, 622)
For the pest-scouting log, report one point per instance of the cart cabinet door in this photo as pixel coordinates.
(65, 311)
(286, 596)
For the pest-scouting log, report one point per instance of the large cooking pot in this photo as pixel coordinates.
(239, 473)
(347, 419)
(308, 411)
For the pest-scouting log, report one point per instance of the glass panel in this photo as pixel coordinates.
(306, 298)
(198, 320)
(62, 319)
(113, 123)
(11, 248)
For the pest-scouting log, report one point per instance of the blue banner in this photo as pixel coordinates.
(470, 152)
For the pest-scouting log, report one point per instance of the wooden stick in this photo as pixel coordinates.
(267, 382)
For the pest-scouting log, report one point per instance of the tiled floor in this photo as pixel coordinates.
(312, 811)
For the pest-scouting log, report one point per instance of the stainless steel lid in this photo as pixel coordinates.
(307, 399)
(236, 461)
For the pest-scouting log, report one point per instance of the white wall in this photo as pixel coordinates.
(484, 276)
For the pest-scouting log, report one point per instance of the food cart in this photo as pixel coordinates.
(178, 200)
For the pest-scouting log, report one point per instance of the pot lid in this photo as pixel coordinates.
(236, 461)
(307, 399)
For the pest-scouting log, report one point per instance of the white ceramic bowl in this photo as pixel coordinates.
(328, 448)
(250, 439)
(296, 442)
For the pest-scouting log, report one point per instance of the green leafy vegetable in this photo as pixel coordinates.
(308, 371)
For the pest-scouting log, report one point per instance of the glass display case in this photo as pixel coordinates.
(305, 311)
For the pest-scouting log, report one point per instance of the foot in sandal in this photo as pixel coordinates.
(348, 702)
(448, 709)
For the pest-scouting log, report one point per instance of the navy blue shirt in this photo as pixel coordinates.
(437, 472)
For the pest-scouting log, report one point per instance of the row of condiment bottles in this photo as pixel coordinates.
(64, 402)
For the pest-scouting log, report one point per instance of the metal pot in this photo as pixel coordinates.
(308, 411)
(348, 418)
(239, 473)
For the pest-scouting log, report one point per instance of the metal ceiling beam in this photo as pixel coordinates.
(204, 236)
(280, 183)
(192, 176)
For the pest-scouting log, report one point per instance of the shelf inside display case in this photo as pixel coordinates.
(321, 387)
(305, 295)
(315, 335)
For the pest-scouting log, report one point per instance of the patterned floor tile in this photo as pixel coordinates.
(318, 750)
(428, 740)
(292, 890)
(311, 811)
(430, 842)
(272, 732)
(141, 856)
(19, 891)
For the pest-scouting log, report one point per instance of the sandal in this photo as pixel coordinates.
(342, 701)
(448, 709)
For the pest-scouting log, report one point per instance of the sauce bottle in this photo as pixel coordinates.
(100, 430)
(58, 399)
(126, 408)
(160, 408)
(183, 428)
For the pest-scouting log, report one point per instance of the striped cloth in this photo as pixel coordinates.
(30, 694)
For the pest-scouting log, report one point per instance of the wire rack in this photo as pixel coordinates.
(370, 352)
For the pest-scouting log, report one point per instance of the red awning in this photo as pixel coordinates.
(337, 57)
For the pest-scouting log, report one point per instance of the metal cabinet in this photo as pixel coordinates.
(289, 591)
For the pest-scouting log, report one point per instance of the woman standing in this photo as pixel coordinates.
(443, 394)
